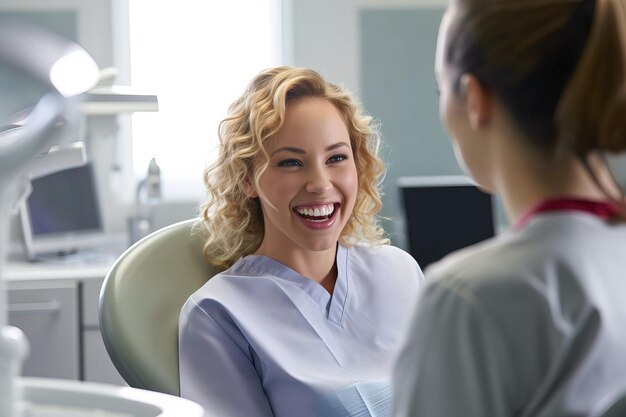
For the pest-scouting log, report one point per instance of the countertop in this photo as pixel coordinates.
(91, 265)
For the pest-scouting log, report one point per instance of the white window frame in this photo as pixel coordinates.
(184, 182)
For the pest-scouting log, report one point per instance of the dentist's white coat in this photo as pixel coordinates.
(532, 323)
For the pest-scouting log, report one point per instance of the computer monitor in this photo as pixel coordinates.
(62, 213)
(443, 214)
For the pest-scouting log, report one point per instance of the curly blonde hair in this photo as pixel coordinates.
(232, 220)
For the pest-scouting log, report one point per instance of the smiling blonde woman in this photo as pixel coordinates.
(309, 314)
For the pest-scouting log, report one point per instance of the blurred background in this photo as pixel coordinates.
(196, 57)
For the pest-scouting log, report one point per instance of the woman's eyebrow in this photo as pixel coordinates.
(302, 151)
(337, 145)
(289, 149)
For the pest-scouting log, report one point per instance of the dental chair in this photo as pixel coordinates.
(140, 302)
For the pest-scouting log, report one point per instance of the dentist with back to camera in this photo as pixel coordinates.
(529, 323)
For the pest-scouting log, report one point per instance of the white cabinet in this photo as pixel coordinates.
(57, 309)
(47, 312)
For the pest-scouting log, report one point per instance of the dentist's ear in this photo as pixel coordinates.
(478, 101)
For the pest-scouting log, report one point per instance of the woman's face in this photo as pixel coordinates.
(453, 110)
(309, 188)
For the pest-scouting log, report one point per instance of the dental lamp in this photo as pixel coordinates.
(62, 69)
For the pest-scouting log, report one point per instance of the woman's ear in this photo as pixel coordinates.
(478, 101)
(249, 188)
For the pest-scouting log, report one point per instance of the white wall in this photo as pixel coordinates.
(325, 35)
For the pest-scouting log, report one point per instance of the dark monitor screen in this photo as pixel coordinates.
(443, 214)
(62, 213)
(64, 202)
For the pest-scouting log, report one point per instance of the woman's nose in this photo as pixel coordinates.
(319, 182)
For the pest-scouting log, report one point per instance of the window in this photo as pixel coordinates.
(197, 56)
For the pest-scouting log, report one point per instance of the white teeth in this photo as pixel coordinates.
(321, 211)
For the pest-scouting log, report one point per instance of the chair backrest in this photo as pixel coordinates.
(140, 302)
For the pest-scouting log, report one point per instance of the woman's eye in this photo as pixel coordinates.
(337, 158)
(289, 163)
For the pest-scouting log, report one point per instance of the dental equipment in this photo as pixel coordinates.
(61, 70)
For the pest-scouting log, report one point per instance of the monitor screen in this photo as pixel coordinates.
(443, 214)
(62, 213)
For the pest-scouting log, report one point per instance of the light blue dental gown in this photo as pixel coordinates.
(261, 340)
